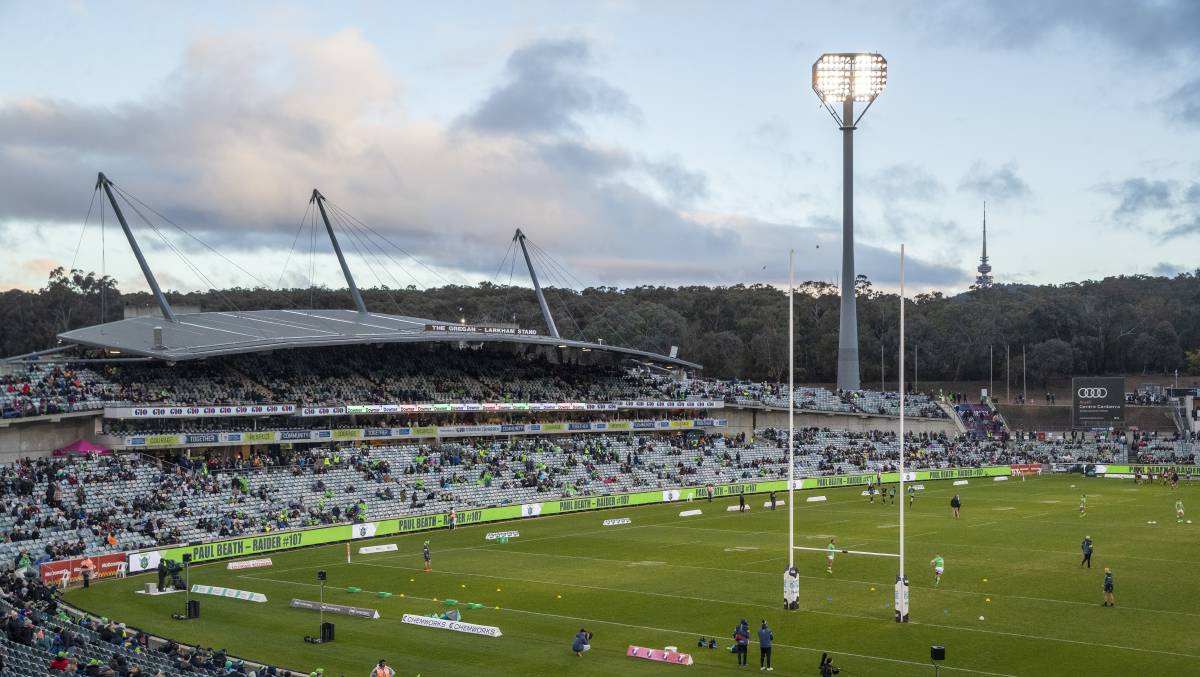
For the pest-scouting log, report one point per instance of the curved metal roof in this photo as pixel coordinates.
(199, 335)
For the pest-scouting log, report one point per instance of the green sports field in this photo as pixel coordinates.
(1013, 558)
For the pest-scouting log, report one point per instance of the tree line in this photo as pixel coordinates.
(1125, 324)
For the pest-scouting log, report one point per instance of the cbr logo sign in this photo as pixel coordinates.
(1093, 392)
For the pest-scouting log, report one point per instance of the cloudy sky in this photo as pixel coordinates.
(637, 143)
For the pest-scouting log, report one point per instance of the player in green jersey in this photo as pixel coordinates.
(1083, 505)
(939, 565)
(1178, 510)
(829, 552)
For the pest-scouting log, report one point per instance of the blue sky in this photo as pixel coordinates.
(639, 143)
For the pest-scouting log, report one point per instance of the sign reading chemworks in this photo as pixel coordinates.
(456, 626)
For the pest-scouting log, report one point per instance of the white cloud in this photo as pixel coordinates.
(233, 142)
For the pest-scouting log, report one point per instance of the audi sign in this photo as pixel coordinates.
(1097, 402)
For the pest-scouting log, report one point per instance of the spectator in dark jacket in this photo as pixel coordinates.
(741, 641)
(765, 637)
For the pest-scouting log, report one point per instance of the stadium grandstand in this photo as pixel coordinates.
(202, 428)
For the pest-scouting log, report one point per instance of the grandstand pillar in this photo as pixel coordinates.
(847, 371)
(337, 249)
(537, 288)
(103, 182)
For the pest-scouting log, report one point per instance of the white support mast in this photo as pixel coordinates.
(791, 579)
(791, 411)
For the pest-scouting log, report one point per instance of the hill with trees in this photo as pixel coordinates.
(1127, 324)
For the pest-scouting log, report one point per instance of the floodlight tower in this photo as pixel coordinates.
(847, 79)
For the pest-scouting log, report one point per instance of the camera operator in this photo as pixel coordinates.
(827, 667)
(582, 642)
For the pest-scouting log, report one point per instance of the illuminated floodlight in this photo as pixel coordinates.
(837, 78)
(840, 81)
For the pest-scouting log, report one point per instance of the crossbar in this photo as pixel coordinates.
(849, 552)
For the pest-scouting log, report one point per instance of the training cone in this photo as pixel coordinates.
(981, 618)
(988, 599)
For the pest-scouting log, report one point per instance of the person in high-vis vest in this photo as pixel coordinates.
(382, 670)
(87, 568)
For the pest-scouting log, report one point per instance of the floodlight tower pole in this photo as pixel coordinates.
(848, 370)
(103, 182)
(537, 288)
(337, 249)
(901, 605)
(846, 78)
(791, 411)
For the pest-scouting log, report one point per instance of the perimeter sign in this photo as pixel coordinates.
(1097, 402)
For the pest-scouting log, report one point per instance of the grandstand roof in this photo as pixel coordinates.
(200, 335)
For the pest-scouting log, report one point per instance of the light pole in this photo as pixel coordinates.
(901, 602)
(847, 79)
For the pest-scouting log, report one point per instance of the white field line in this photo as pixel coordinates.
(686, 632)
(1052, 552)
(743, 571)
(512, 551)
(1023, 636)
(923, 533)
(764, 606)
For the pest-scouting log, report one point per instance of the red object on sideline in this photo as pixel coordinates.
(106, 565)
(659, 655)
(80, 448)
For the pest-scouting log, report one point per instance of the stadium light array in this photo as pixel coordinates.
(840, 81)
(837, 78)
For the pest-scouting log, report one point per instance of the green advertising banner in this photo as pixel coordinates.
(287, 540)
(242, 547)
(1145, 468)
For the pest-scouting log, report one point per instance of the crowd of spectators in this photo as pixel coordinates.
(386, 375)
(39, 636)
(56, 508)
(36, 390)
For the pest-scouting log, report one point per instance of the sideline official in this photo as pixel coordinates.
(87, 569)
(765, 637)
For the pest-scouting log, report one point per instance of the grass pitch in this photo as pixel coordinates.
(1013, 558)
